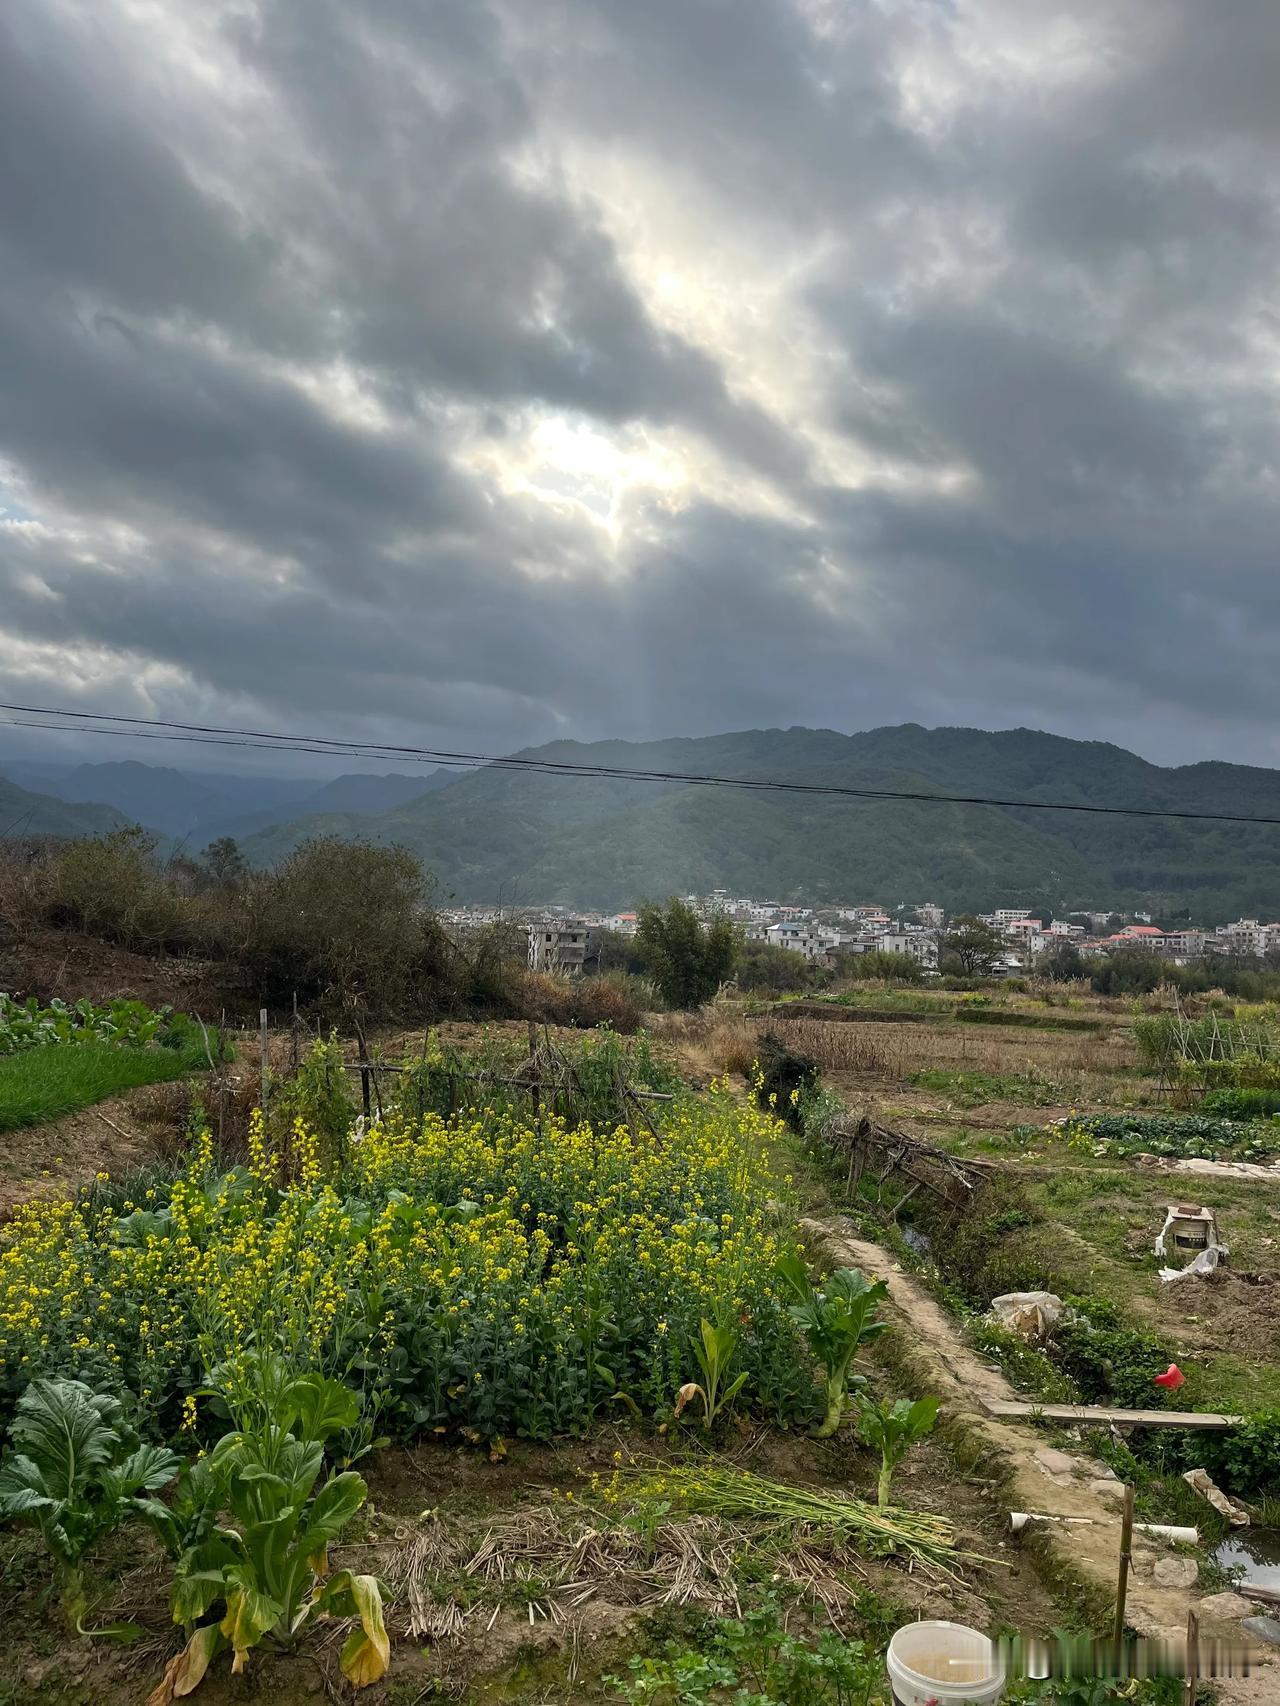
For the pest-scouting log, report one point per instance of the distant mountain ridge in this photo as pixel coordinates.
(25, 812)
(534, 837)
(601, 842)
(196, 807)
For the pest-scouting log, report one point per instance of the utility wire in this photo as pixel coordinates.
(330, 747)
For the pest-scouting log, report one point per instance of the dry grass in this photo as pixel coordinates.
(551, 1565)
(711, 1041)
(875, 1050)
(1085, 1067)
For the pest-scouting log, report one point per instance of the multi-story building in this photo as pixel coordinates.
(919, 945)
(1246, 937)
(806, 939)
(1185, 944)
(558, 945)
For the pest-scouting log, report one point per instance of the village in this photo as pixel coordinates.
(563, 940)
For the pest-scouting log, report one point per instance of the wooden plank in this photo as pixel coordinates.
(1021, 1411)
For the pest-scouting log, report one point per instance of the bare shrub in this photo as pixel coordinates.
(345, 925)
(615, 999)
(27, 872)
(111, 886)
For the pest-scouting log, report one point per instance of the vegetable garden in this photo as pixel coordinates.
(57, 1059)
(204, 1351)
(564, 1260)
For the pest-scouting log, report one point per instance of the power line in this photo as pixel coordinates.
(145, 728)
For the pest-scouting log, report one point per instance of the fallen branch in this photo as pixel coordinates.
(129, 1136)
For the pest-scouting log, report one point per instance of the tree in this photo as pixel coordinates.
(1062, 963)
(971, 946)
(686, 959)
(889, 967)
(1130, 972)
(346, 924)
(610, 950)
(763, 966)
(225, 861)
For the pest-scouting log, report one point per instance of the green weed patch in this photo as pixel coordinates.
(973, 1089)
(50, 1083)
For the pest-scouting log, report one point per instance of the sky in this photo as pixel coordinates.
(478, 373)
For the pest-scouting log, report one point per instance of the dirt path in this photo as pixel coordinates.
(1039, 1478)
(112, 1136)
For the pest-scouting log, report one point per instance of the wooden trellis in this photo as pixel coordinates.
(877, 1151)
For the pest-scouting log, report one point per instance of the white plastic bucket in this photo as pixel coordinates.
(943, 1662)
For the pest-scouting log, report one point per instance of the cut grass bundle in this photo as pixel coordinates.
(786, 1515)
(551, 1560)
(49, 1083)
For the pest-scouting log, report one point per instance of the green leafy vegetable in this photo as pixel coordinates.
(75, 1473)
(270, 1572)
(835, 1318)
(715, 1348)
(892, 1428)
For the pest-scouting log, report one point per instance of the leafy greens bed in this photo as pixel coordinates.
(1174, 1134)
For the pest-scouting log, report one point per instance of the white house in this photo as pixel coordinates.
(918, 945)
(1247, 936)
(1185, 944)
(806, 939)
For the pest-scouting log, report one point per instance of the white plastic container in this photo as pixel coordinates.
(946, 1663)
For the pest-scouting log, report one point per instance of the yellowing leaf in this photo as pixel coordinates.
(366, 1652)
(185, 1673)
(361, 1660)
(687, 1393)
(249, 1615)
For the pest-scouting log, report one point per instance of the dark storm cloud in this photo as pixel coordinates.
(957, 324)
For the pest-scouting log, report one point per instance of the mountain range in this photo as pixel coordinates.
(534, 837)
(195, 807)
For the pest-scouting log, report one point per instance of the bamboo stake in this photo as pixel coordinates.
(1122, 1582)
(266, 1058)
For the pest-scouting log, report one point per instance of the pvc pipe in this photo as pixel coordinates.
(1018, 1520)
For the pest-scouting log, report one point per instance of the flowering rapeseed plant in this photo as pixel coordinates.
(479, 1273)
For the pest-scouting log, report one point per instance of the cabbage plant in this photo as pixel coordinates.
(892, 1428)
(75, 1473)
(836, 1317)
(267, 1571)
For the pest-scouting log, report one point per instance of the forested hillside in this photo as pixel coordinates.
(539, 837)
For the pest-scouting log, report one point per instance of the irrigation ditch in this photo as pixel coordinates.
(951, 1231)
